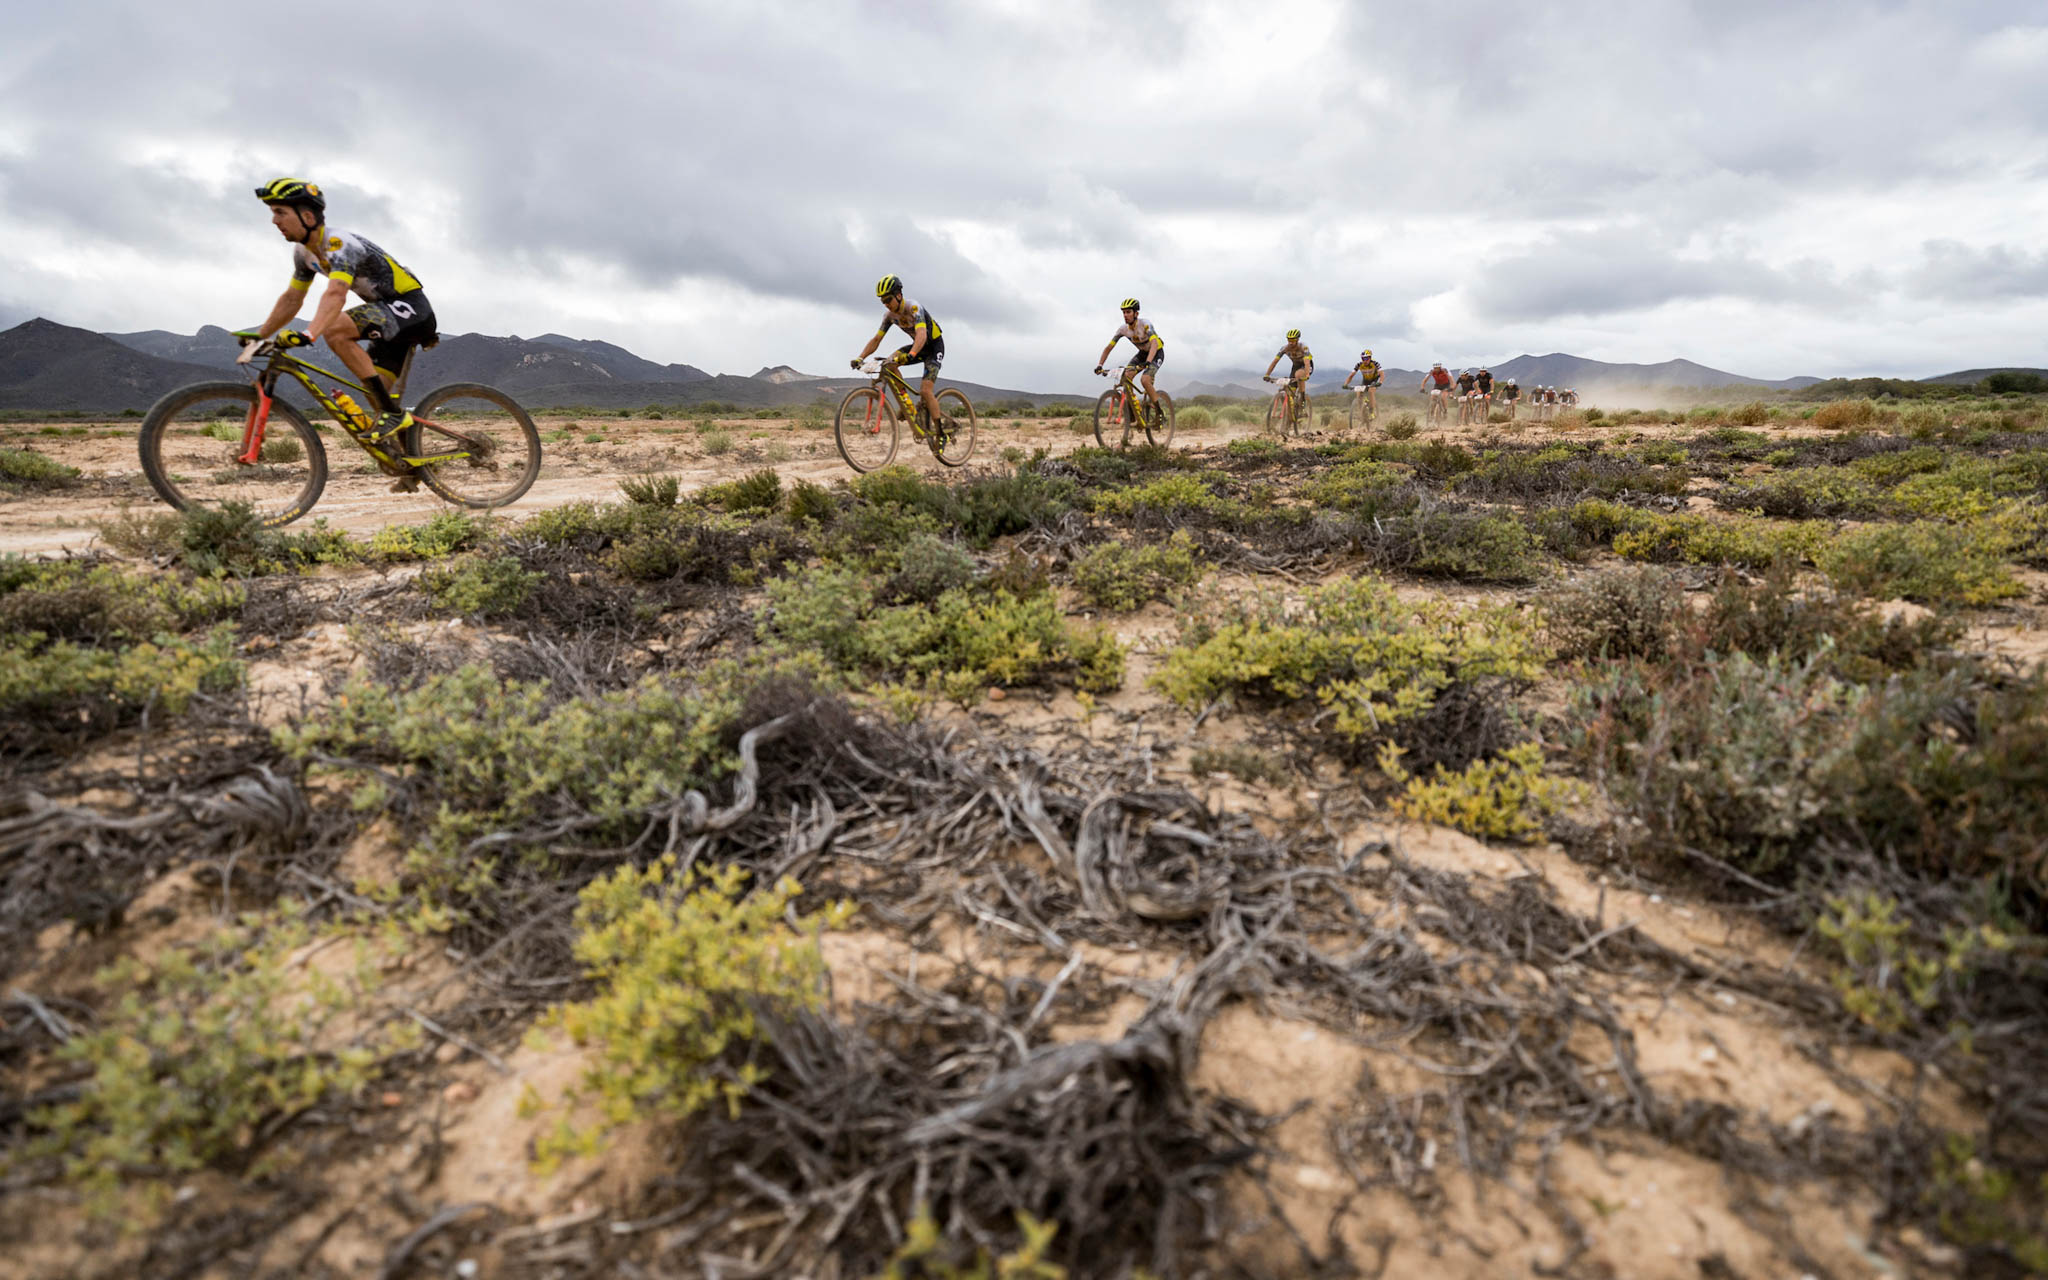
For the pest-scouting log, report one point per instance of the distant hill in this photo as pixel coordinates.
(1971, 377)
(45, 365)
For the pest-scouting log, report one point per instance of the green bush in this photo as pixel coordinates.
(811, 501)
(1403, 426)
(62, 682)
(1354, 647)
(282, 449)
(1804, 494)
(1695, 539)
(1367, 486)
(1628, 613)
(684, 967)
(445, 534)
(78, 600)
(1923, 561)
(1505, 798)
(929, 567)
(1194, 419)
(480, 587)
(652, 491)
(1119, 578)
(495, 752)
(756, 491)
(716, 443)
(959, 645)
(1254, 447)
(232, 540)
(1841, 414)
(199, 1050)
(1477, 546)
(1753, 414)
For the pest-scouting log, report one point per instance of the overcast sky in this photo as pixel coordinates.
(1767, 187)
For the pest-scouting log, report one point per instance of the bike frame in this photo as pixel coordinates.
(282, 363)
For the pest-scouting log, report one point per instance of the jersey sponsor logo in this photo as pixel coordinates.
(333, 243)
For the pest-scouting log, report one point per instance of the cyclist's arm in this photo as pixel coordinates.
(1155, 346)
(283, 310)
(1103, 359)
(330, 305)
(869, 349)
(1271, 365)
(917, 341)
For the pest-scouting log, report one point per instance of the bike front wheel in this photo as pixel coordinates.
(1113, 419)
(959, 445)
(1304, 416)
(1159, 419)
(479, 448)
(865, 429)
(192, 442)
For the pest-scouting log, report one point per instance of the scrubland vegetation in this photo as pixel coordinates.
(633, 776)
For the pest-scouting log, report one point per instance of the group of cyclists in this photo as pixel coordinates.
(372, 339)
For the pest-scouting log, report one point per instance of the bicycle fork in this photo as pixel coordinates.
(253, 428)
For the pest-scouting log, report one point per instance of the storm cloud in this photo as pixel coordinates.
(722, 184)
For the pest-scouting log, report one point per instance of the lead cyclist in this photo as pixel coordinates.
(370, 340)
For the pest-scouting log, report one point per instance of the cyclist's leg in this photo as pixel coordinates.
(344, 337)
(934, 355)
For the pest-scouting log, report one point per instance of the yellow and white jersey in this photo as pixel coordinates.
(1141, 335)
(356, 261)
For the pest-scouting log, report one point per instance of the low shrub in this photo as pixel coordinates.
(810, 501)
(199, 1050)
(1119, 578)
(1257, 447)
(1753, 414)
(1839, 415)
(1695, 539)
(1355, 648)
(1194, 419)
(685, 965)
(1805, 494)
(493, 753)
(958, 645)
(715, 443)
(1505, 798)
(57, 689)
(928, 568)
(1628, 613)
(1927, 562)
(282, 449)
(756, 491)
(1453, 542)
(1402, 426)
(480, 587)
(96, 603)
(445, 534)
(652, 491)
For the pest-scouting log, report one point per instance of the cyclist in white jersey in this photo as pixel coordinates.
(1151, 348)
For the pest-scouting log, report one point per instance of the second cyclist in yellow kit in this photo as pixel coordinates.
(1368, 369)
(1304, 366)
(1151, 348)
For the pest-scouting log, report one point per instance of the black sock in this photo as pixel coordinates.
(379, 396)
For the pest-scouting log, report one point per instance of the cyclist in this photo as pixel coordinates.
(1437, 382)
(1466, 381)
(927, 346)
(1484, 402)
(1369, 368)
(1303, 361)
(1511, 396)
(1151, 348)
(1570, 397)
(394, 316)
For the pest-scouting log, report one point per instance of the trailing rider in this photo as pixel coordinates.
(927, 346)
(1151, 349)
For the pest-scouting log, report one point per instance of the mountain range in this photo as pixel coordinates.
(1554, 370)
(50, 366)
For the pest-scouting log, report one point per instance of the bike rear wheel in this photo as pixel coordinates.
(865, 429)
(959, 446)
(191, 442)
(1113, 419)
(1159, 419)
(501, 448)
(1304, 416)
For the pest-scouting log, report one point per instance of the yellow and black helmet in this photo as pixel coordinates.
(1294, 335)
(292, 191)
(1365, 354)
(888, 285)
(1129, 304)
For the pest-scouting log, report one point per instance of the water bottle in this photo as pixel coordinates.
(358, 420)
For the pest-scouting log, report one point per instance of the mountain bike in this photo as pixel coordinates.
(1122, 409)
(1289, 414)
(1439, 406)
(1362, 409)
(866, 425)
(213, 443)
